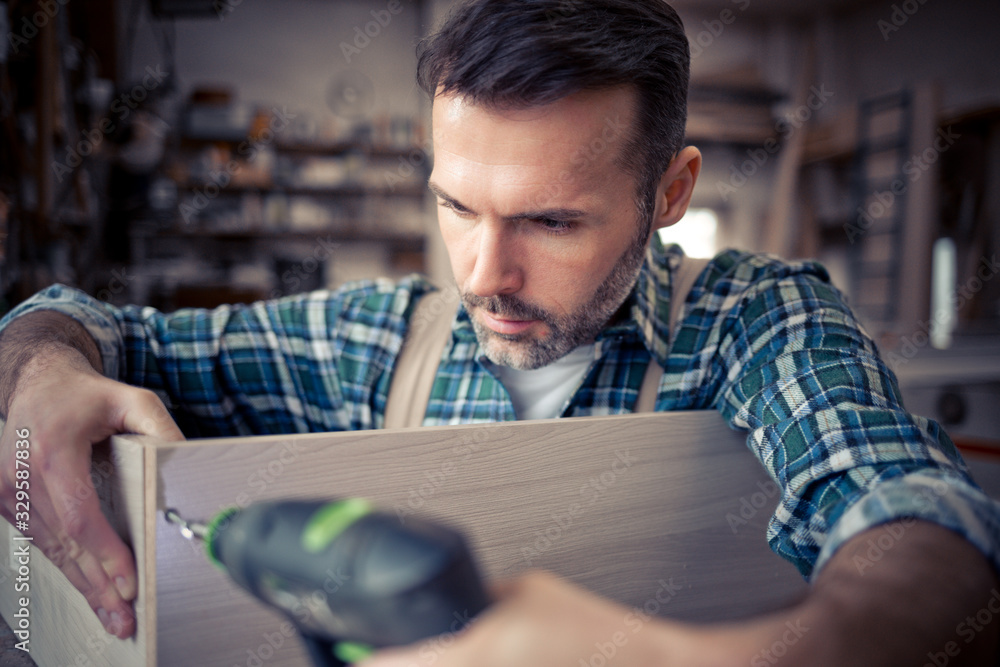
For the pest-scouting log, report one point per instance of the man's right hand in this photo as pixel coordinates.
(66, 407)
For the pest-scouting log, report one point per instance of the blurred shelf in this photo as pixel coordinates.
(733, 107)
(342, 148)
(321, 148)
(410, 240)
(410, 191)
(930, 369)
(709, 129)
(287, 215)
(832, 140)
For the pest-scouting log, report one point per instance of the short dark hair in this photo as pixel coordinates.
(509, 54)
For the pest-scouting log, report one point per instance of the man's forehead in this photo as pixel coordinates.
(588, 125)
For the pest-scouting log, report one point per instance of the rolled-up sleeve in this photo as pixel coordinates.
(317, 361)
(825, 417)
(97, 317)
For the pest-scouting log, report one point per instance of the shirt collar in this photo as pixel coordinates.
(651, 297)
(649, 302)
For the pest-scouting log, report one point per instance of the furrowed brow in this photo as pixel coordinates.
(436, 189)
(558, 214)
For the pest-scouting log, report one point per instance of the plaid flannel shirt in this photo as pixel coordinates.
(770, 345)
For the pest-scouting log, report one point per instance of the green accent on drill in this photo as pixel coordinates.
(222, 517)
(352, 652)
(330, 521)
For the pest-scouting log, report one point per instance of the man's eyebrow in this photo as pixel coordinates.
(436, 189)
(558, 214)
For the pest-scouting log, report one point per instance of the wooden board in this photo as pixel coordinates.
(63, 629)
(644, 509)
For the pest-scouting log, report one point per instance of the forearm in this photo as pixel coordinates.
(899, 594)
(51, 384)
(28, 337)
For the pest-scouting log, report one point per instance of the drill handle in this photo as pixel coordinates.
(321, 652)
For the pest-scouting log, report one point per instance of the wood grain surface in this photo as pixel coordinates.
(665, 513)
(63, 629)
(632, 507)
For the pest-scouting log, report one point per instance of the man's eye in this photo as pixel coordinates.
(553, 226)
(459, 210)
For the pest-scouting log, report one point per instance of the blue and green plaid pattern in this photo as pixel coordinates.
(769, 344)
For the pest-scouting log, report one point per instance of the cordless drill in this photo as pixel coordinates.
(350, 578)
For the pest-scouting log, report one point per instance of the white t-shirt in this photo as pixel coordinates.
(543, 392)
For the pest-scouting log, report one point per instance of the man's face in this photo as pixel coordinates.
(538, 219)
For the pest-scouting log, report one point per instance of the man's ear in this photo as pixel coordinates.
(676, 187)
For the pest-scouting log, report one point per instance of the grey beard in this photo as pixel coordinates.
(566, 332)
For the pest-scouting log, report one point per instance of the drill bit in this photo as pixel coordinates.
(191, 530)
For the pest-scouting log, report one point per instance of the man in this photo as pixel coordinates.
(558, 131)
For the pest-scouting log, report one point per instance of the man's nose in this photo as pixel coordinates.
(498, 267)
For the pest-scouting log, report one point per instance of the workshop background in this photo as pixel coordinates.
(188, 153)
(195, 152)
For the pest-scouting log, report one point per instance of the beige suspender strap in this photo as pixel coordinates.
(417, 363)
(428, 333)
(687, 273)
